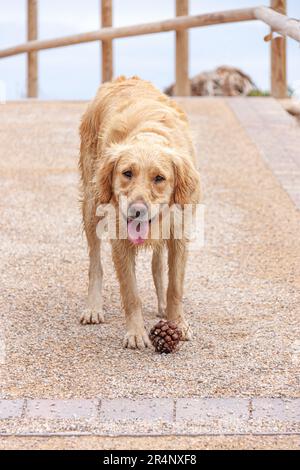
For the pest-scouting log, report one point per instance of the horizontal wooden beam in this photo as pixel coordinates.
(280, 23)
(174, 24)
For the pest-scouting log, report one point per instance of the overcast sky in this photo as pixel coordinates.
(74, 72)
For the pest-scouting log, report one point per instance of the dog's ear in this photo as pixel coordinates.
(187, 181)
(104, 177)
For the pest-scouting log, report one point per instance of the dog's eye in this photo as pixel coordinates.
(159, 178)
(127, 174)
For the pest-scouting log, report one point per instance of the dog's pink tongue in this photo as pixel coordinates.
(137, 231)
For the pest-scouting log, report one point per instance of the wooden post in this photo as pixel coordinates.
(182, 84)
(32, 57)
(107, 46)
(278, 57)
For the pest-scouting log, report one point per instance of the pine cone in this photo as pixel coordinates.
(165, 336)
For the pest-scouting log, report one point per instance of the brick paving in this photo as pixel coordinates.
(147, 409)
(61, 409)
(11, 409)
(211, 416)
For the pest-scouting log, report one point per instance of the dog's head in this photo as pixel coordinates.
(149, 177)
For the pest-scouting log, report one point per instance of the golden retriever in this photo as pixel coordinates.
(135, 143)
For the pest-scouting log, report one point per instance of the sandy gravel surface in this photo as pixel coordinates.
(242, 289)
(152, 443)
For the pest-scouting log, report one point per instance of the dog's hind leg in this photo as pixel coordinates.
(94, 311)
(158, 273)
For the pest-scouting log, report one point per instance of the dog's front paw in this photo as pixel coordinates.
(92, 316)
(186, 331)
(137, 339)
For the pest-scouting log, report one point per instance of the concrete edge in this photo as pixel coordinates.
(181, 416)
(276, 135)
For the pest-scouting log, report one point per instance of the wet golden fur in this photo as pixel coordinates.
(131, 124)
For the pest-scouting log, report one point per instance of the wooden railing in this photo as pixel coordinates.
(275, 17)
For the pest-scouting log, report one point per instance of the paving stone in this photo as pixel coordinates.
(208, 410)
(151, 416)
(11, 408)
(62, 409)
(276, 409)
(147, 409)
